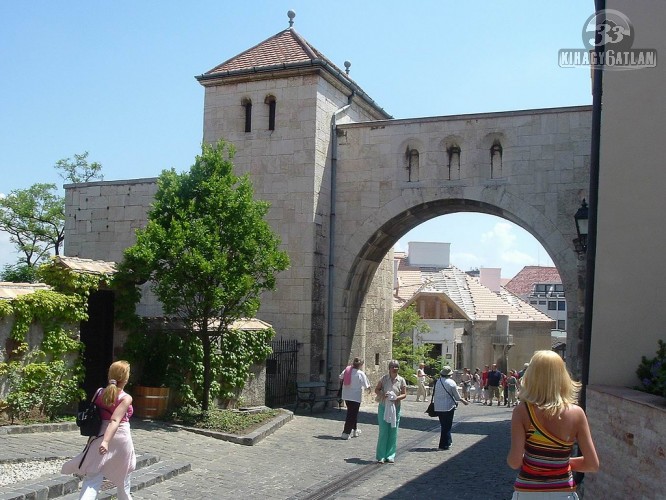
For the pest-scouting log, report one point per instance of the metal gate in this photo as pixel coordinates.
(281, 371)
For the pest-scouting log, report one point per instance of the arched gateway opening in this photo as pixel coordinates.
(377, 248)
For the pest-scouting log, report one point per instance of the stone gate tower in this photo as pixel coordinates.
(278, 103)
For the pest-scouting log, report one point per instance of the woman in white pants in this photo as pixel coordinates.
(111, 453)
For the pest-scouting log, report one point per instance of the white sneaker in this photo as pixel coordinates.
(356, 433)
(345, 436)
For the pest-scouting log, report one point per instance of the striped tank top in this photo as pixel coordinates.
(545, 461)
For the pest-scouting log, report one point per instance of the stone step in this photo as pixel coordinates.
(142, 478)
(57, 485)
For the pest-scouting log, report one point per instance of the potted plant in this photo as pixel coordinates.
(150, 356)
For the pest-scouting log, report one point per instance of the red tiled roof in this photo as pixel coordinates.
(289, 51)
(523, 282)
(286, 47)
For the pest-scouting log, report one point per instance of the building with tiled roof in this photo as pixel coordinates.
(542, 288)
(471, 324)
(522, 283)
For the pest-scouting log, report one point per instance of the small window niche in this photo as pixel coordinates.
(496, 160)
(412, 164)
(247, 104)
(271, 103)
(453, 153)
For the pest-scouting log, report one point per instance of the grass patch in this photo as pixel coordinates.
(229, 421)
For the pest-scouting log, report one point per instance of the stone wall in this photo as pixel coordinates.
(33, 338)
(254, 391)
(629, 432)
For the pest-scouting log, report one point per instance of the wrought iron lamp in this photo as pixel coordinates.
(580, 217)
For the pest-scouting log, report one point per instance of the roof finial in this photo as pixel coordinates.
(347, 66)
(291, 15)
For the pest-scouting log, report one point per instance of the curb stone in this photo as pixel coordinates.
(32, 428)
(248, 439)
(57, 485)
(142, 478)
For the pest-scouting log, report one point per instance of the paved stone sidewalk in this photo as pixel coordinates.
(306, 459)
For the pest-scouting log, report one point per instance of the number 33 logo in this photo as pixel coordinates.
(608, 33)
(608, 27)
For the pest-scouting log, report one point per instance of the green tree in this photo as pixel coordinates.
(34, 217)
(405, 322)
(19, 273)
(78, 169)
(207, 250)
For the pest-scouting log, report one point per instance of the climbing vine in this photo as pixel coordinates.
(46, 378)
(175, 359)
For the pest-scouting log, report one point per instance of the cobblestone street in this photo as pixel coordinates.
(306, 459)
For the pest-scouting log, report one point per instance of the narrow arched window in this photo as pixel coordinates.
(270, 100)
(453, 153)
(247, 104)
(496, 160)
(412, 157)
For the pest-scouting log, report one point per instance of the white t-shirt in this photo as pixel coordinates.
(354, 391)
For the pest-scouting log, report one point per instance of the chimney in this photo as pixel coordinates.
(429, 254)
(491, 277)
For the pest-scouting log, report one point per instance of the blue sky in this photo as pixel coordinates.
(116, 79)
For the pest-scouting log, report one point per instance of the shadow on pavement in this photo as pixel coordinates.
(477, 472)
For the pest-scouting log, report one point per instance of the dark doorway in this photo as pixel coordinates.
(281, 370)
(97, 336)
(435, 352)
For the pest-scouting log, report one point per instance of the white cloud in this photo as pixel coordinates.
(517, 257)
(501, 236)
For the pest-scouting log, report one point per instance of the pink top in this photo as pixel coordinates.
(107, 411)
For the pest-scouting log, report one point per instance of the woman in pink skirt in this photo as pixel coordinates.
(111, 454)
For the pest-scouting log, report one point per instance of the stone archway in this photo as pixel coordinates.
(544, 172)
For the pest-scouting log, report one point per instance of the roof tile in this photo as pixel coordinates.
(285, 47)
(523, 282)
(466, 292)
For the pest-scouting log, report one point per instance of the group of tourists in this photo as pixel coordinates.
(491, 385)
(544, 429)
(481, 386)
(390, 390)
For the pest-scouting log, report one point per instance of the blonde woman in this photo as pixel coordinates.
(111, 453)
(544, 429)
